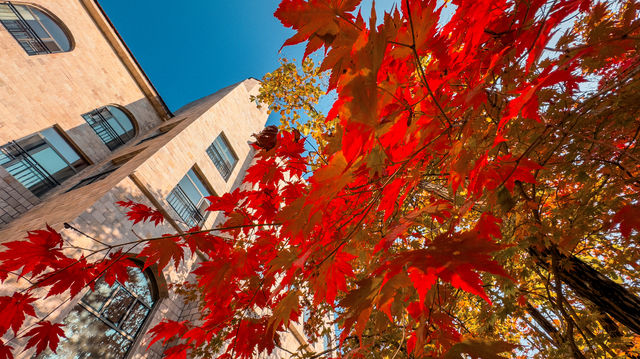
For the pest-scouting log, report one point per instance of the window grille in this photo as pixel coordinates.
(222, 156)
(41, 161)
(112, 125)
(36, 32)
(188, 199)
(108, 319)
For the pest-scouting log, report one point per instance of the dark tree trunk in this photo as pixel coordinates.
(610, 297)
(551, 330)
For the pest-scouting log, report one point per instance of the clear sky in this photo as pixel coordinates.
(192, 48)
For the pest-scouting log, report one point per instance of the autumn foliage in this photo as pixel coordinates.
(477, 195)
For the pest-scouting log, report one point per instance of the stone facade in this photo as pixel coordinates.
(41, 91)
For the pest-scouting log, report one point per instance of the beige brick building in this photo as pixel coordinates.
(81, 127)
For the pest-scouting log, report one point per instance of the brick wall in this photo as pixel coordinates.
(15, 199)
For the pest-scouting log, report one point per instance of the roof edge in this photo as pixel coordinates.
(121, 49)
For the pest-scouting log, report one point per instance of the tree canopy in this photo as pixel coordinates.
(475, 194)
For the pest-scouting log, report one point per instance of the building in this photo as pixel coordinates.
(81, 127)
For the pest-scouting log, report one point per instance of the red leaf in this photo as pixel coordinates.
(411, 342)
(204, 242)
(422, 281)
(469, 281)
(167, 330)
(114, 268)
(40, 251)
(226, 203)
(197, 335)
(45, 334)
(71, 274)
(141, 213)
(5, 351)
(266, 139)
(161, 251)
(314, 18)
(13, 310)
(629, 219)
(176, 352)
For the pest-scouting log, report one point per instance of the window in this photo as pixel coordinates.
(187, 199)
(34, 30)
(41, 161)
(107, 320)
(112, 125)
(222, 156)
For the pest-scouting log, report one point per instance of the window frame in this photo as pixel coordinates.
(196, 217)
(224, 168)
(133, 339)
(115, 140)
(136, 299)
(16, 154)
(33, 36)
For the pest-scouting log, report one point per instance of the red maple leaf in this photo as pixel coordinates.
(72, 274)
(226, 203)
(629, 219)
(161, 251)
(266, 139)
(318, 21)
(13, 310)
(45, 334)
(196, 335)
(114, 268)
(177, 352)
(140, 213)
(5, 351)
(204, 242)
(40, 251)
(167, 329)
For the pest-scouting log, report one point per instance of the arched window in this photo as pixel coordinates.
(34, 30)
(107, 320)
(112, 125)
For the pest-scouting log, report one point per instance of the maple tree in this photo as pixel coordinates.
(477, 195)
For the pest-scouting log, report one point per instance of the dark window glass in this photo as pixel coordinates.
(119, 305)
(36, 32)
(107, 320)
(222, 156)
(112, 125)
(188, 199)
(135, 319)
(98, 297)
(41, 161)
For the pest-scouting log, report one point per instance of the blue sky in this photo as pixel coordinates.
(192, 48)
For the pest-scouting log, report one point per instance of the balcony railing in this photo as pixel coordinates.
(100, 124)
(24, 33)
(190, 213)
(24, 168)
(219, 162)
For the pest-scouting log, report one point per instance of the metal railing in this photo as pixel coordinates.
(219, 162)
(25, 169)
(183, 206)
(24, 33)
(104, 130)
